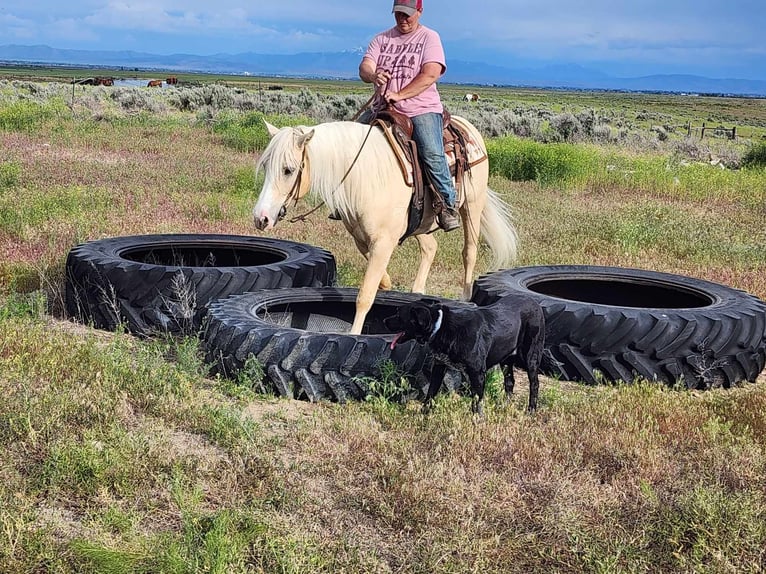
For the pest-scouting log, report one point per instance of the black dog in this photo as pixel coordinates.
(509, 332)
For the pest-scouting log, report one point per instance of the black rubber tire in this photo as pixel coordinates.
(300, 338)
(613, 324)
(164, 283)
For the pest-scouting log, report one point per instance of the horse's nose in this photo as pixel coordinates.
(261, 223)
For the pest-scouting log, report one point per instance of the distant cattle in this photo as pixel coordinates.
(154, 84)
(171, 81)
(471, 97)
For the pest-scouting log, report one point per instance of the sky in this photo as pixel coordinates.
(623, 38)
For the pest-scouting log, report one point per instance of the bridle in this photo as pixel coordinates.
(294, 193)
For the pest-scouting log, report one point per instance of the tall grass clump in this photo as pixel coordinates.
(25, 115)
(547, 164)
(755, 156)
(247, 132)
(9, 174)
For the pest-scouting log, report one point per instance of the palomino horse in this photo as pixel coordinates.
(353, 169)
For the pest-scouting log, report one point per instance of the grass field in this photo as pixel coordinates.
(124, 455)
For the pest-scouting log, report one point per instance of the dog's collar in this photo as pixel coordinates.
(437, 325)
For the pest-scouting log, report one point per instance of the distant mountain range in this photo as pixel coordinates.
(343, 65)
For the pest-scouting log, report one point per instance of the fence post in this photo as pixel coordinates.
(734, 133)
(702, 131)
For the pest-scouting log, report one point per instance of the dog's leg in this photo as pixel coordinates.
(534, 357)
(534, 389)
(437, 378)
(508, 380)
(477, 379)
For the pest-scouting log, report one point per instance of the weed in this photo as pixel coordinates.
(18, 305)
(390, 386)
(252, 376)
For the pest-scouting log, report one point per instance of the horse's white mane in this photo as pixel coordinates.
(332, 151)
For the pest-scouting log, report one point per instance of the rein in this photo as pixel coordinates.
(293, 194)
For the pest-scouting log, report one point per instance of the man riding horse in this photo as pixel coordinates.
(404, 63)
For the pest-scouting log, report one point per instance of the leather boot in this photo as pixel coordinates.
(448, 219)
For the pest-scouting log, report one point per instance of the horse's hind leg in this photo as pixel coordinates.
(470, 213)
(428, 245)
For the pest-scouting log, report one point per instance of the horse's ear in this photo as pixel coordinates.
(304, 138)
(271, 129)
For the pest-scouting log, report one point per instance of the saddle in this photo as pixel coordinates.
(398, 131)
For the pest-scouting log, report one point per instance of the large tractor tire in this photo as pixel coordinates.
(164, 283)
(300, 338)
(615, 324)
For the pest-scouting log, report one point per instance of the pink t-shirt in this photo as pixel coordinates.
(404, 55)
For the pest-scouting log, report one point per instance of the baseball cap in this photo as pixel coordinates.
(409, 7)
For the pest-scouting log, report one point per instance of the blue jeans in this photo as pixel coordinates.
(427, 133)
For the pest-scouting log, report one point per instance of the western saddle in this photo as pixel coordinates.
(398, 130)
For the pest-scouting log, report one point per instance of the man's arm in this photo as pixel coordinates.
(369, 73)
(429, 73)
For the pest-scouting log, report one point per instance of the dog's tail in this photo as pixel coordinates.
(499, 231)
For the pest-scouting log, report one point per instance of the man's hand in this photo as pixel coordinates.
(381, 77)
(393, 97)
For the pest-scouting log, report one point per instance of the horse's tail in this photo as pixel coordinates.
(498, 231)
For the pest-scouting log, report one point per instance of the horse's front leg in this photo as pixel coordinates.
(385, 281)
(427, 243)
(377, 262)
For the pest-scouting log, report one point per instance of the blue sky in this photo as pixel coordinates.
(721, 39)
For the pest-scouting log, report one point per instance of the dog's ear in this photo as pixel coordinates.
(425, 316)
(393, 322)
(421, 316)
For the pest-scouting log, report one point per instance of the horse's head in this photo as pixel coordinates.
(286, 173)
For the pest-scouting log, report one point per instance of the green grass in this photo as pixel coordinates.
(123, 454)
(548, 164)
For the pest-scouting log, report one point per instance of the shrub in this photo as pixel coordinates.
(136, 99)
(567, 126)
(601, 133)
(662, 133)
